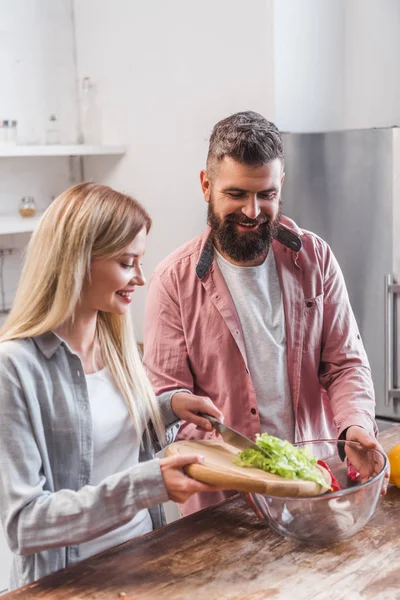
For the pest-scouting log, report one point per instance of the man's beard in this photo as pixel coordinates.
(243, 246)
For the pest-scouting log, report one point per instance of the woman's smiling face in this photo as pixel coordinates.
(113, 280)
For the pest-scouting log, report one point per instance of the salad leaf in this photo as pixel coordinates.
(285, 460)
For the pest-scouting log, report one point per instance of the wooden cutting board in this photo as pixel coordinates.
(218, 469)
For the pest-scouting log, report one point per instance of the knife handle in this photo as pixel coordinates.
(214, 422)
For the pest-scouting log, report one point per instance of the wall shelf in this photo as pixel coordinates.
(59, 150)
(10, 224)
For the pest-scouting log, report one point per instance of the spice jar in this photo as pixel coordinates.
(27, 207)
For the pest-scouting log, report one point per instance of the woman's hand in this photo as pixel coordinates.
(180, 486)
(187, 406)
(357, 434)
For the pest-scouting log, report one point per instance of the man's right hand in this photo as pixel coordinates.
(180, 486)
(187, 406)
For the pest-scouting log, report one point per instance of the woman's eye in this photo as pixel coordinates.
(125, 266)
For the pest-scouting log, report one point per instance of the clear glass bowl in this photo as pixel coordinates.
(333, 516)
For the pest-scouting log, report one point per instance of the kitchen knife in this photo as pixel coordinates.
(233, 437)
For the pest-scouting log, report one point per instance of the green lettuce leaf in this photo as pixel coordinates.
(285, 460)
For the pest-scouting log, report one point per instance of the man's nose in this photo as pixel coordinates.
(252, 207)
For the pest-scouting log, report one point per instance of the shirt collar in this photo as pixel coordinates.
(48, 343)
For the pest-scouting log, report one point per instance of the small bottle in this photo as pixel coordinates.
(10, 131)
(27, 207)
(52, 134)
(90, 113)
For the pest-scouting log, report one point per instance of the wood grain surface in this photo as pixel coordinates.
(226, 553)
(219, 469)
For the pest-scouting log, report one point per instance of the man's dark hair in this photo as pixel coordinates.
(247, 137)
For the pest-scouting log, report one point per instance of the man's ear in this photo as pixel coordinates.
(205, 185)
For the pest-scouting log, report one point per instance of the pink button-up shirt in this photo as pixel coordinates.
(194, 340)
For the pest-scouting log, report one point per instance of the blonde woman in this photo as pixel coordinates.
(77, 412)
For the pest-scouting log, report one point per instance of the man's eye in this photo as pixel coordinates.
(235, 194)
(269, 196)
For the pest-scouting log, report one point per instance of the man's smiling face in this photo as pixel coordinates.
(244, 208)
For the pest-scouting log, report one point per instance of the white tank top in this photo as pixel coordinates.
(115, 448)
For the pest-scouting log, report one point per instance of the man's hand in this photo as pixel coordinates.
(187, 406)
(357, 434)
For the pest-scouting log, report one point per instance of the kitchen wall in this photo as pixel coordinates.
(337, 64)
(166, 72)
(372, 65)
(38, 78)
(309, 55)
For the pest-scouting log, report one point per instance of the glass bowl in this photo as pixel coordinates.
(333, 516)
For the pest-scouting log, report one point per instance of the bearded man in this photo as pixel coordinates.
(254, 313)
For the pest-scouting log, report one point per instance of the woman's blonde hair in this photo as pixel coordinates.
(85, 222)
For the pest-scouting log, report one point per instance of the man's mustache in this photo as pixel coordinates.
(246, 221)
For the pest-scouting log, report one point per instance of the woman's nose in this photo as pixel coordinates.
(138, 278)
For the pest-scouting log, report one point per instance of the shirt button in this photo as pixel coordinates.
(253, 411)
(309, 304)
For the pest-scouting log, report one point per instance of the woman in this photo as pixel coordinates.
(77, 412)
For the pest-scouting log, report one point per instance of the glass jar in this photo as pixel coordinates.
(10, 131)
(27, 208)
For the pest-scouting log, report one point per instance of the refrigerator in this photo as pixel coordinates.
(345, 187)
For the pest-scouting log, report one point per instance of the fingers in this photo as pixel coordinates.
(187, 406)
(181, 461)
(202, 404)
(200, 422)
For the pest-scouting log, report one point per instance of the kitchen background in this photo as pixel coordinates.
(162, 73)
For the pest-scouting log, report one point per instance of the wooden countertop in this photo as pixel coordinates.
(226, 553)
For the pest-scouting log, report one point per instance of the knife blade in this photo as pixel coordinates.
(233, 437)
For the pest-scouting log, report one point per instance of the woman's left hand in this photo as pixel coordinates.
(187, 406)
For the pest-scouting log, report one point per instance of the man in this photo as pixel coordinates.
(254, 313)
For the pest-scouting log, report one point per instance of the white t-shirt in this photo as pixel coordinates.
(115, 448)
(257, 296)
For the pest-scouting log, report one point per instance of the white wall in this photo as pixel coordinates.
(372, 66)
(166, 72)
(337, 64)
(38, 78)
(309, 51)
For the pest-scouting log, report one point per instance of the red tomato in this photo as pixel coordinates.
(335, 485)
